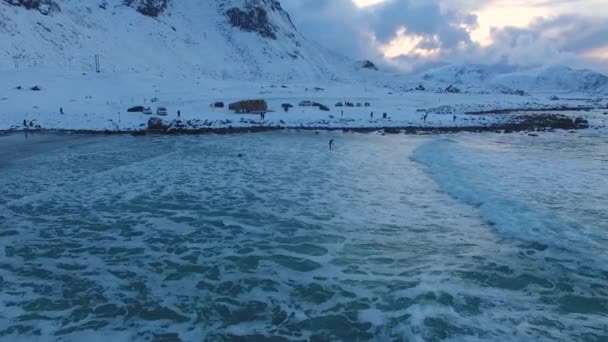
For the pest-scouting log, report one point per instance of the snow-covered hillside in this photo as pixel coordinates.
(508, 79)
(219, 39)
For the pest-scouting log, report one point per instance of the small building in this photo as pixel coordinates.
(249, 106)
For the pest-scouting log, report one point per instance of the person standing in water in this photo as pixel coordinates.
(331, 143)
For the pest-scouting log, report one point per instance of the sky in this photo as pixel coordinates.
(416, 34)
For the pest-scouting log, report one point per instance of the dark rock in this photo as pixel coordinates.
(35, 88)
(324, 108)
(150, 8)
(368, 65)
(581, 123)
(452, 89)
(391, 130)
(420, 87)
(252, 19)
(520, 92)
(157, 124)
(45, 7)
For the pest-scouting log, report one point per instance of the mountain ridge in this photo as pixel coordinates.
(239, 39)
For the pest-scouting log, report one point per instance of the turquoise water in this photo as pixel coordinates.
(394, 238)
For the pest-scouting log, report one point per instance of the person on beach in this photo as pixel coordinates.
(384, 115)
(331, 143)
(24, 122)
(61, 110)
(179, 114)
(454, 118)
(371, 115)
(424, 117)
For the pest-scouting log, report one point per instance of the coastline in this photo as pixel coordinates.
(526, 123)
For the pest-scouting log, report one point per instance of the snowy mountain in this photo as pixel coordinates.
(508, 79)
(559, 78)
(222, 39)
(244, 40)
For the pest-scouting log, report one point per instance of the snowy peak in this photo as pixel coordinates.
(265, 17)
(506, 79)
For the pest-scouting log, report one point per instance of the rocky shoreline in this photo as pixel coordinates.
(524, 123)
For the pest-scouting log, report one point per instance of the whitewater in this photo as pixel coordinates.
(271, 236)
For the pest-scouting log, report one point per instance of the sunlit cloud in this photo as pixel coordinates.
(406, 43)
(598, 53)
(500, 15)
(366, 3)
(421, 33)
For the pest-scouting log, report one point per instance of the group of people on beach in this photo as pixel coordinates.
(29, 124)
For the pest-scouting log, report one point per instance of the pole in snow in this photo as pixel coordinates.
(97, 68)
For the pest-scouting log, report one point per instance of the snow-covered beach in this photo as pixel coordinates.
(98, 103)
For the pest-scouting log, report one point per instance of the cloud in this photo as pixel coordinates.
(360, 31)
(415, 34)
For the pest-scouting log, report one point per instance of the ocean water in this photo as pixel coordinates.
(465, 237)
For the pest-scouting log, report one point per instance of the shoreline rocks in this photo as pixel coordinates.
(524, 123)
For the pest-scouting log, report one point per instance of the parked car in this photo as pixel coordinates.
(286, 106)
(162, 111)
(136, 109)
(147, 111)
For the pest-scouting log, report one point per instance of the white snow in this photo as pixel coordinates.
(191, 57)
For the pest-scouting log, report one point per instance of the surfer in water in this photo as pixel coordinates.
(331, 143)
